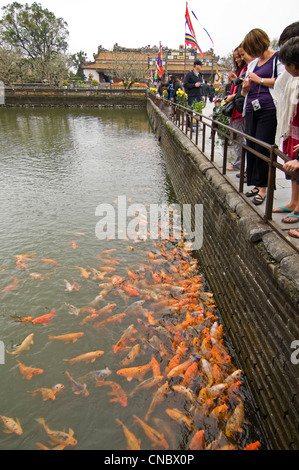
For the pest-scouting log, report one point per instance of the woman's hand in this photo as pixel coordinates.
(229, 98)
(232, 76)
(254, 77)
(246, 87)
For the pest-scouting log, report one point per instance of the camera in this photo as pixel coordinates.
(237, 81)
(256, 105)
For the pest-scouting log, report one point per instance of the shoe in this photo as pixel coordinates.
(291, 218)
(258, 199)
(239, 174)
(231, 168)
(252, 193)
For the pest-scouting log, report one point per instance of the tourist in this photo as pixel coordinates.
(286, 94)
(236, 120)
(259, 108)
(177, 85)
(193, 85)
(288, 122)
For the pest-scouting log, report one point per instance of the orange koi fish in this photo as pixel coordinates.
(59, 437)
(135, 372)
(219, 412)
(115, 318)
(148, 383)
(48, 393)
(107, 269)
(180, 369)
(84, 272)
(117, 391)
(158, 397)
(198, 441)
(254, 446)
(11, 425)
(180, 417)
(70, 287)
(131, 291)
(73, 244)
(45, 319)
(51, 261)
(24, 257)
(157, 438)
(131, 356)
(12, 286)
(133, 442)
(87, 357)
(29, 372)
(69, 337)
(125, 337)
(24, 346)
(235, 421)
(155, 367)
(190, 375)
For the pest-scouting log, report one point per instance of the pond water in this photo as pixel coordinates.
(58, 168)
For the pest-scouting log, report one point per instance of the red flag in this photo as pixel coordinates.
(159, 65)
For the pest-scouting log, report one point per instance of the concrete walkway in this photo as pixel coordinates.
(283, 187)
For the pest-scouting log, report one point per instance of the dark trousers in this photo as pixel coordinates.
(260, 124)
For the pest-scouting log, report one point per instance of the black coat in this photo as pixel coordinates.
(189, 84)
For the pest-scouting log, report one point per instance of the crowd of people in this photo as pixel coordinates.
(264, 93)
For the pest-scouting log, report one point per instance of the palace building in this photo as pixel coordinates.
(175, 62)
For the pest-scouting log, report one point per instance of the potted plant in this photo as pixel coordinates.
(95, 83)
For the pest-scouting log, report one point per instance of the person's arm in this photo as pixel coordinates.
(269, 82)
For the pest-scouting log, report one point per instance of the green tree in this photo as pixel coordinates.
(79, 60)
(35, 32)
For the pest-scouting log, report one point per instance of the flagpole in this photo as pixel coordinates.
(185, 63)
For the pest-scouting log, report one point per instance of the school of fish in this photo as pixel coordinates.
(171, 350)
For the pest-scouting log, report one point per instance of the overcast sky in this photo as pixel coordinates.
(135, 23)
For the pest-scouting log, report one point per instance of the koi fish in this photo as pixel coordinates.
(84, 272)
(12, 286)
(117, 391)
(11, 425)
(70, 287)
(133, 442)
(131, 291)
(87, 357)
(51, 261)
(73, 244)
(146, 384)
(254, 446)
(78, 234)
(24, 346)
(45, 319)
(48, 393)
(186, 392)
(219, 412)
(135, 372)
(131, 356)
(96, 374)
(180, 417)
(69, 337)
(158, 397)
(78, 388)
(24, 257)
(125, 337)
(235, 421)
(59, 437)
(180, 369)
(157, 438)
(198, 441)
(29, 372)
(115, 318)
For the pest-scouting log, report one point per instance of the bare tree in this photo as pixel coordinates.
(128, 68)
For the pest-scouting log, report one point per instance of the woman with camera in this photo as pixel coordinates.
(236, 120)
(259, 108)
